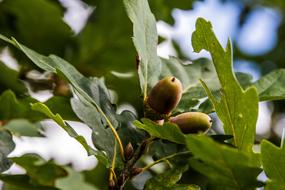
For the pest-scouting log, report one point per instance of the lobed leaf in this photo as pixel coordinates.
(22, 182)
(23, 127)
(224, 166)
(145, 40)
(168, 180)
(71, 132)
(88, 90)
(7, 145)
(40, 171)
(19, 108)
(167, 131)
(237, 109)
(273, 164)
(271, 86)
(9, 79)
(74, 181)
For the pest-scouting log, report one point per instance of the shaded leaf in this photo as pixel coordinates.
(40, 171)
(168, 179)
(224, 166)
(97, 176)
(62, 106)
(159, 149)
(167, 131)
(19, 18)
(21, 182)
(23, 127)
(127, 130)
(7, 145)
(93, 91)
(9, 80)
(13, 108)
(20, 108)
(271, 86)
(274, 165)
(74, 181)
(102, 136)
(145, 40)
(237, 109)
(71, 132)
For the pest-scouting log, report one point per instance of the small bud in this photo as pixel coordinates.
(192, 122)
(136, 171)
(165, 95)
(112, 184)
(129, 151)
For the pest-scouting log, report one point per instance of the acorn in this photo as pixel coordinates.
(165, 95)
(192, 122)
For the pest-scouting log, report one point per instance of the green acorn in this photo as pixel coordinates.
(192, 122)
(165, 95)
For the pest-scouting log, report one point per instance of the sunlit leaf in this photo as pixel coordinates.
(273, 165)
(237, 108)
(167, 131)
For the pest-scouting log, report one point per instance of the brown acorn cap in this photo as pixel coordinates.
(165, 95)
(192, 122)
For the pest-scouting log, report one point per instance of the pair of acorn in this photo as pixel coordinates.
(165, 96)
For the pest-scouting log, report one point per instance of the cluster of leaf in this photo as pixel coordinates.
(221, 162)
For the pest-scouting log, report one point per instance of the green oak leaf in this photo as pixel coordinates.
(23, 127)
(102, 136)
(70, 131)
(274, 165)
(88, 90)
(271, 86)
(22, 182)
(9, 79)
(237, 109)
(74, 181)
(19, 18)
(145, 40)
(161, 148)
(40, 171)
(7, 145)
(13, 108)
(100, 173)
(19, 108)
(167, 131)
(223, 165)
(169, 178)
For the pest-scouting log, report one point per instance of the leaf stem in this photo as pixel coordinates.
(117, 137)
(164, 159)
(112, 172)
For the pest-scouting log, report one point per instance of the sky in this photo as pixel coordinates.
(258, 36)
